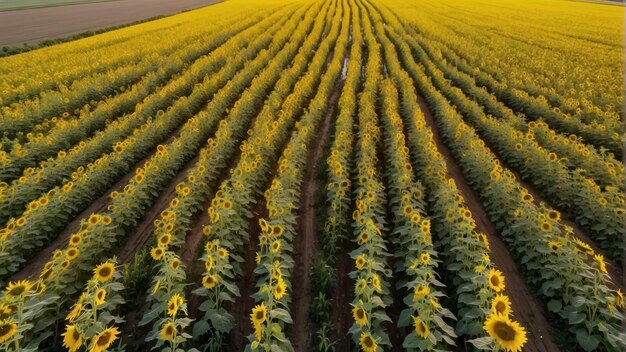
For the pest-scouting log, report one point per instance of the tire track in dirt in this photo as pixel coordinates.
(300, 333)
(527, 308)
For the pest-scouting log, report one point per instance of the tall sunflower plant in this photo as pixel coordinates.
(217, 288)
(168, 310)
(90, 322)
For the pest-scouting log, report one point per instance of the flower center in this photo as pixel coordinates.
(504, 331)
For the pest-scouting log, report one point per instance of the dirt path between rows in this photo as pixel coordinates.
(300, 333)
(527, 308)
(34, 25)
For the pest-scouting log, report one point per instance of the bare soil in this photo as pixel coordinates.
(35, 25)
(527, 308)
(341, 298)
(300, 333)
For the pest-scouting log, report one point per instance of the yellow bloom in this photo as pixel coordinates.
(279, 290)
(18, 288)
(600, 260)
(100, 296)
(425, 258)
(421, 329)
(168, 332)
(360, 317)
(174, 304)
(367, 342)
(619, 298)
(554, 246)
(420, 291)
(209, 281)
(500, 304)
(359, 262)
(258, 316)
(275, 246)
(104, 272)
(72, 339)
(496, 280)
(509, 335)
(174, 263)
(376, 283)
(157, 253)
(165, 239)
(74, 313)
(7, 330)
(104, 339)
(223, 252)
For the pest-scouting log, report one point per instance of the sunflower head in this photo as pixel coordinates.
(360, 317)
(168, 331)
(275, 246)
(359, 262)
(509, 335)
(72, 338)
(367, 342)
(259, 314)
(104, 272)
(421, 329)
(7, 330)
(104, 339)
(100, 296)
(18, 288)
(74, 313)
(376, 283)
(496, 280)
(174, 304)
(209, 281)
(500, 304)
(420, 291)
(157, 253)
(280, 289)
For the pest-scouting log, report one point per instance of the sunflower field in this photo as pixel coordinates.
(319, 175)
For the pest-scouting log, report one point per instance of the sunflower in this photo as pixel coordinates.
(425, 227)
(104, 272)
(104, 339)
(209, 281)
(425, 258)
(209, 263)
(509, 335)
(18, 288)
(363, 237)
(367, 342)
(276, 246)
(258, 316)
(496, 280)
(554, 246)
(100, 296)
(583, 247)
(376, 283)
(545, 226)
(157, 253)
(277, 230)
(5, 311)
(165, 239)
(360, 317)
(223, 252)
(106, 220)
(361, 285)
(72, 339)
(173, 304)
(434, 301)
(420, 291)
(257, 258)
(168, 330)
(7, 330)
(554, 215)
(421, 329)
(599, 258)
(74, 313)
(359, 262)
(279, 290)
(75, 240)
(72, 253)
(174, 263)
(500, 304)
(94, 219)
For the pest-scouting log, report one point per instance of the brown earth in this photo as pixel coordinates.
(528, 310)
(300, 333)
(34, 25)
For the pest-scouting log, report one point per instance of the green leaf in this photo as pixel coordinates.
(221, 323)
(555, 306)
(482, 343)
(586, 341)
